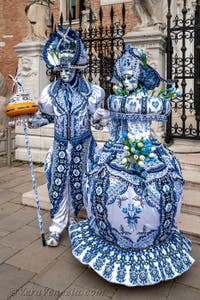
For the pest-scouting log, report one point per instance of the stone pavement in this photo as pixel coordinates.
(30, 271)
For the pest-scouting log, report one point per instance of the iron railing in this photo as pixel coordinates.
(183, 65)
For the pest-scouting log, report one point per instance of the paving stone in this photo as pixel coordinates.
(6, 171)
(35, 257)
(13, 182)
(195, 253)
(77, 292)
(6, 252)
(21, 238)
(181, 292)
(190, 278)
(91, 280)
(18, 219)
(60, 275)
(17, 200)
(23, 188)
(6, 196)
(32, 291)
(159, 291)
(3, 232)
(8, 208)
(67, 256)
(46, 221)
(11, 279)
(13, 179)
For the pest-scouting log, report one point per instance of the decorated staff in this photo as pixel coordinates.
(20, 108)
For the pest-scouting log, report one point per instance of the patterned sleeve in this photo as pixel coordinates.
(45, 102)
(96, 99)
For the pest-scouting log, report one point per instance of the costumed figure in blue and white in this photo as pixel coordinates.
(134, 188)
(72, 104)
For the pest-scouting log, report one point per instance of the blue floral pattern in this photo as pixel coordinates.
(138, 267)
(132, 217)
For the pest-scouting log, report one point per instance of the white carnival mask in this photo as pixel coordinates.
(67, 74)
(129, 82)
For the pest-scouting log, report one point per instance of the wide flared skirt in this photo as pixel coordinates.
(131, 267)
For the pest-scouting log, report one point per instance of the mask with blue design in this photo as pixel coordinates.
(67, 73)
(131, 70)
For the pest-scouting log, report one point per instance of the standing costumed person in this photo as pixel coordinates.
(134, 187)
(72, 104)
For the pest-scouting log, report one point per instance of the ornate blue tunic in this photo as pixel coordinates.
(131, 236)
(72, 107)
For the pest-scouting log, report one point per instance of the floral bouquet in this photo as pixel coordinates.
(138, 150)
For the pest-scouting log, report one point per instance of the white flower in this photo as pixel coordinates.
(140, 145)
(142, 135)
(124, 161)
(152, 155)
(131, 137)
(116, 87)
(132, 149)
(126, 148)
(138, 136)
(135, 157)
(142, 157)
(153, 148)
(141, 164)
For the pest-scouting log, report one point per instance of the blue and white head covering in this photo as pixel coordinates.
(65, 49)
(134, 62)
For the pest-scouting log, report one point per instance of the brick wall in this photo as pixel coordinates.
(129, 19)
(56, 11)
(13, 28)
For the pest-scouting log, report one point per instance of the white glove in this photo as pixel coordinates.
(101, 116)
(37, 121)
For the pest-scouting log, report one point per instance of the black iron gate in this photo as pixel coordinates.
(183, 65)
(103, 43)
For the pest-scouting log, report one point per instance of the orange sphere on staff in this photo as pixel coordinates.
(21, 108)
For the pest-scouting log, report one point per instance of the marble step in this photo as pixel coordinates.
(191, 202)
(192, 179)
(185, 146)
(189, 161)
(28, 198)
(190, 226)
